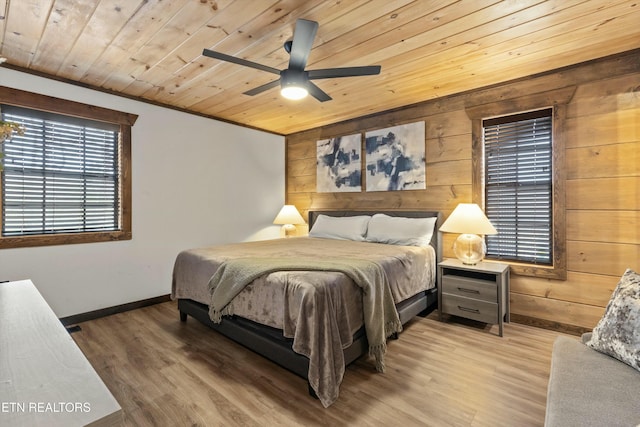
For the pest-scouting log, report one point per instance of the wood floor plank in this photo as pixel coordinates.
(164, 372)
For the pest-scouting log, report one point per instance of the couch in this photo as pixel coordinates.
(588, 388)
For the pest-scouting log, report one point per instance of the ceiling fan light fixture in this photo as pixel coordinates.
(293, 84)
(294, 92)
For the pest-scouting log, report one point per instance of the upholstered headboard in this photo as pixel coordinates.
(436, 239)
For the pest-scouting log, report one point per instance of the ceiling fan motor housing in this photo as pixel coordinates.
(289, 77)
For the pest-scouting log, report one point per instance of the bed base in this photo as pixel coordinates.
(270, 342)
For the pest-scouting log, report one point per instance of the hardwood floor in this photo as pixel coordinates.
(164, 372)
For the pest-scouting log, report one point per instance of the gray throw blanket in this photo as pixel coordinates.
(380, 315)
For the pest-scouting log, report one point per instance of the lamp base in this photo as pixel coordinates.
(289, 230)
(469, 248)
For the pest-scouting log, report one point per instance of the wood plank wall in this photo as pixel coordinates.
(602, 155)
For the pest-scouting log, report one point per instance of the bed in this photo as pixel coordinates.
(277, 314)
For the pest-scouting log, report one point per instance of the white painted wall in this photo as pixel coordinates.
(196, 182)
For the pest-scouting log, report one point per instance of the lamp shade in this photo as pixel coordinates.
(468, 218)
(289, 215)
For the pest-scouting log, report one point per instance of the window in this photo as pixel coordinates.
(519, 178)
(61, 176)
(67, 179)
(518, 186)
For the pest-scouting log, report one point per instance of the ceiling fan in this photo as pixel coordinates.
(295, 81)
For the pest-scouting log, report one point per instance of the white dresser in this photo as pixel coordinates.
(45, 380)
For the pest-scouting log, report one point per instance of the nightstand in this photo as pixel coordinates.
(479, 292)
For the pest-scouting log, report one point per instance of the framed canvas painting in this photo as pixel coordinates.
(339, 164)
(395, 158)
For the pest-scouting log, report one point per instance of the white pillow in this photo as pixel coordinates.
(403, 231)
(344, 227)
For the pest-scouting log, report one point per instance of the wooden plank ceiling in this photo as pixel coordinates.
(152, 49)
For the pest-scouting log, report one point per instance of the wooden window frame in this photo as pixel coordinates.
(558, 101)
(125, 121)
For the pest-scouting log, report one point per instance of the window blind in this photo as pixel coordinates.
(61, 176)
(518, 186)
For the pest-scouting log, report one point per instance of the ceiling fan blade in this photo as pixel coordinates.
(303, 37)
(317, 93)
(263, 88)
(329, 73)
(239, 61)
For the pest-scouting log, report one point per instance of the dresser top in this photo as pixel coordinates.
(45, 379)
(483, 266)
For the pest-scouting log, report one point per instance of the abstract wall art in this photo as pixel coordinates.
(339, 163)
(395, 158)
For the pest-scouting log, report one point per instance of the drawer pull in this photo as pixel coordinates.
(470, 310)
(469, 291)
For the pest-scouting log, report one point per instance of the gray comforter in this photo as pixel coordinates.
(320, 310)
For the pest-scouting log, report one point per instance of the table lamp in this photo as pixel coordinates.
(469, 220)
(288, 216)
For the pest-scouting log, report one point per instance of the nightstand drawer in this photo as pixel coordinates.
(470, 288)
(482, 311)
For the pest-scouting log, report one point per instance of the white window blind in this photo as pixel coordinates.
(61, 176)
(518, 186)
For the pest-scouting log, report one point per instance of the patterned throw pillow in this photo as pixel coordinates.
(618, 332)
